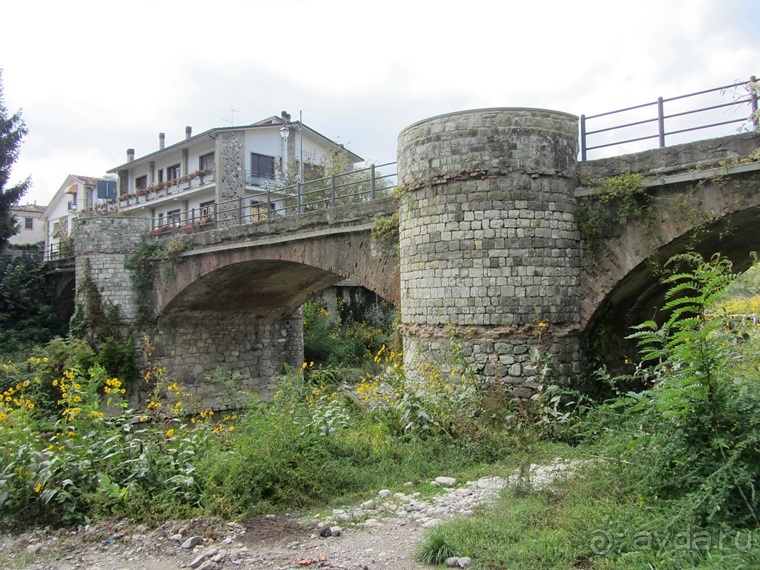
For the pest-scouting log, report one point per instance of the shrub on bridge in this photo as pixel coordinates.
(26, 312)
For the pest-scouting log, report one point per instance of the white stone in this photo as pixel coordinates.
(446, 481)
(368, 505)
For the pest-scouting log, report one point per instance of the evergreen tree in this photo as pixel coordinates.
(12, 130)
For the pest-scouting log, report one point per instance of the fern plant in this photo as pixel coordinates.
(700, 435)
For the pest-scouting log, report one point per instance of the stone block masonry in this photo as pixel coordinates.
(230, 175)
(191, 344)
(102, 244)
(195, 345)
(489, 244)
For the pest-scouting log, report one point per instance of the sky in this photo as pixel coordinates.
(93, 78)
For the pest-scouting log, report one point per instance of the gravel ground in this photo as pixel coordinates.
(380, 533)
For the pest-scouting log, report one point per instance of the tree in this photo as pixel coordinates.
(333, 178)
(12, 130)
(26, 303)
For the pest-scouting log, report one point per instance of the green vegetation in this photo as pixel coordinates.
(674, 470)
(350, 337)
(73, 451)
(26, 312)
(385, 230)
(141, 265)
(669, 477)
(614, 198)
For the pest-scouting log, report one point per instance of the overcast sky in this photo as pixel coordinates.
(94, 78)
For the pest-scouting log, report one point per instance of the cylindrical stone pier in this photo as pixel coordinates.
(489, 244)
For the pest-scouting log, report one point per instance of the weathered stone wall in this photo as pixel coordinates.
(673, 159)
(102, 244)
(489, 245)
(194, 345)
(230, 175)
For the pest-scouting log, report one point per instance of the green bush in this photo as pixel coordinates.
(694, 435)
(26, 312)
(346, 339)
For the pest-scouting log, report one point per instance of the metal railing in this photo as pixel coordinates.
(356, 186)
(156, 191)
(676, 119)
(62, 251)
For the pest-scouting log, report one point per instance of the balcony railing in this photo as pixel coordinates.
(159, 190)
(352, 187)
(262, 180)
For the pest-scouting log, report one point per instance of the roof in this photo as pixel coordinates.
(28, 208)
(86, 180)
(70, 179)
(268, 123)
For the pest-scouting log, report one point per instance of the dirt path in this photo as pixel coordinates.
(380, 533)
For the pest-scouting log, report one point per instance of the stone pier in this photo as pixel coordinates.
(489, 244)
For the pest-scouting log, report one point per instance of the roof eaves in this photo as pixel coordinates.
(175, 146)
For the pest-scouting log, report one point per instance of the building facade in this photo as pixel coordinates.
(235, 174)
(77, 196)
(31, 227)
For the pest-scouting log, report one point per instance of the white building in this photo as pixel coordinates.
(222, 174)
(31, 227)
(76, 195)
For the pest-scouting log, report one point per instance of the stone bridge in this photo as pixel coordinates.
(230, 297)
(489, 250)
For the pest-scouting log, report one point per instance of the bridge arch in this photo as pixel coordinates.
(274, 278)
(236, 305)
(623, 286)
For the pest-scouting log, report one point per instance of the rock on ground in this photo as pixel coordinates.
(379, 533)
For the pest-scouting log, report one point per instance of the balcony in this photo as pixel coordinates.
(193, 181)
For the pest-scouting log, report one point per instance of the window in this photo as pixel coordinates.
(174, 217)
(207, 208)
(160, 220)
(141, 182)
(160, 174)
(312, 171)
(207, 212)
(258, 212)
(173, 172)
(61, 228)
(28, 223)
(206, 161)
(262, 166)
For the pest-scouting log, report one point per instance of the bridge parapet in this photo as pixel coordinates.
(279, 228)
(691, 156)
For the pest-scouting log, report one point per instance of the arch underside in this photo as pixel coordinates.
(64, 301)
(270, 289)
(639, 295)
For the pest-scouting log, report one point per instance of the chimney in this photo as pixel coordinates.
(188, 132)
(130, 154)
(285, 116)
(161, 141)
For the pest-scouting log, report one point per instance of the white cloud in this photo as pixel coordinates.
(94, 78)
